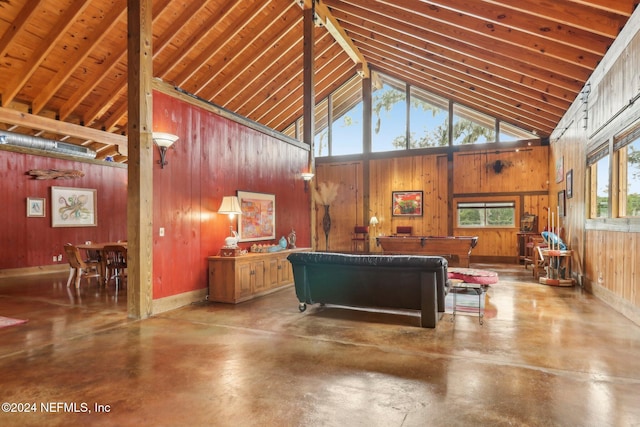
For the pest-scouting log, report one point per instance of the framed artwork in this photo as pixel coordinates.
(559, 169)
(561, 206)
(258, 219)
(73, 207)
(36, 207)
(570, 184)
(406, 203)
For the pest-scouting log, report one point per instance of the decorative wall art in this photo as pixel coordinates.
(36, 207)
(73, 207)
(570, 184)
(406, 203)
(561, 204)
(258, 219)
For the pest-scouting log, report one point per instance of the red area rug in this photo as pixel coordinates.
(7, 321)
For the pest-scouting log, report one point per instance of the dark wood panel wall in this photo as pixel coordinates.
(32, 241)
(444, 180)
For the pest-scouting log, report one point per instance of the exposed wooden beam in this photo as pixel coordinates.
(492, 66)
(18, 25)
(335, 29)
(598, 21)
(32, 121)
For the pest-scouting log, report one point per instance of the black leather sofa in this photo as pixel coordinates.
(380, 281)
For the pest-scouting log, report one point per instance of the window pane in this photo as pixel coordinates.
(600, 186)
(429, 120)
(321, 138)
(346, 129)
(513, 133)
(389, 110)
(501, 217)
(470, 217)
(630, 180)
(472, 127)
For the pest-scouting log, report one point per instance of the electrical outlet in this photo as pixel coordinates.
(59, 257)
(55, 258)
(161, 231)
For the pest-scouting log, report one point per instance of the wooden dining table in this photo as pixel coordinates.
(102, 259)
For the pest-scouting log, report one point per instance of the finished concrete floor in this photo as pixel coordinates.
(545, 356)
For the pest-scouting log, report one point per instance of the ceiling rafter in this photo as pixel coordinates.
(536, 26)
(112, 17)
(527, 87)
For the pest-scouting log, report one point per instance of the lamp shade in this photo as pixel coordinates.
(374, 221)
(307, 176)
(163, 139)
(230, 205)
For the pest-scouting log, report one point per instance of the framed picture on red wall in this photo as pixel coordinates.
(36, 207)
(73, 207)
(258, 219)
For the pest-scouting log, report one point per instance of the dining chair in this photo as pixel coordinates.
(79, 268)
(116, 262)
(360, 238)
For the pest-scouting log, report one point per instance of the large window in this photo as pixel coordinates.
(403, 117)
(486, 214)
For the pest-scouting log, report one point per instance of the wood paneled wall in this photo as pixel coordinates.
(444, 179)
(216, 157)
(606, 251)
(32, 242)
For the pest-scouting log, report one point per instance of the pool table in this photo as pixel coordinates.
(457, 249)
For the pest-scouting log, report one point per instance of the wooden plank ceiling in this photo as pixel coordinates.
(522, 61)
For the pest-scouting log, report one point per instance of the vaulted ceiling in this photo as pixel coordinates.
(521, 61)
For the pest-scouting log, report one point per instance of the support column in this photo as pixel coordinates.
(140, 163)
(308, 128)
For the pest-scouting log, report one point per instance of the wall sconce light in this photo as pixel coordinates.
(307, 176)
(230, 205)
(163, 140)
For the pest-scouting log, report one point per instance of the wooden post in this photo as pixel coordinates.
(140, 164)
(309, 98)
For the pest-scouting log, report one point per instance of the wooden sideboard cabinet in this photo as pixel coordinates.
(241, 278)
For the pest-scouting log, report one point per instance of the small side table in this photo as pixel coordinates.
(458, 287)
(558, 267)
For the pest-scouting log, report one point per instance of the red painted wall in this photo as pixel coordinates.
(215, 157)
(32, 242)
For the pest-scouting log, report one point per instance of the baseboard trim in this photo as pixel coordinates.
(172, 302)
(616, 302)
(30, 271)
